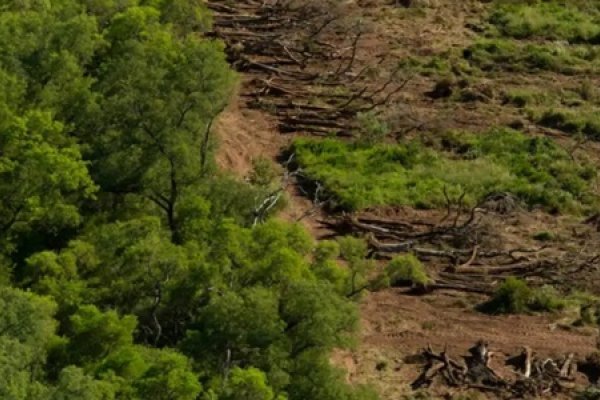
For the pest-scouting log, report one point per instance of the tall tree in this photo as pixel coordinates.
(160, 94)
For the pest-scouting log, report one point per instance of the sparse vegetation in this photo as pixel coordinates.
(591, 393)
(527, 97)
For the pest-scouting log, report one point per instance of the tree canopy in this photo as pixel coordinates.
(129, 264)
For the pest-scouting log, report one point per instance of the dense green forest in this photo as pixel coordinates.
(129, 264)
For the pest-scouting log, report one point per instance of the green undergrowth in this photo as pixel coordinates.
(583, 95)
(573, 21)
(572, 121)
(492, 55)
(529, 36)
(407, 269)
(527, 97)
(536, 170)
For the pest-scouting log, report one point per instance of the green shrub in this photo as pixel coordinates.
(263, 172)
(372, 129)
(566, 121)
(407, 269)
(547, 298)
(543, 236)
(514, 296)
(589, 307)
(526, 97)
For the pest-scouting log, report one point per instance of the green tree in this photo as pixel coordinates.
(326, 267)
(93, 334)
(42, 176)
(248, 384)
(74, 384)
(315, 378)
(129, 249)
(18, 380)
(236, 329)
(146, 373)
(354, 251)
(160, 95)
(317, 318)
(26, 334)
(27, 317)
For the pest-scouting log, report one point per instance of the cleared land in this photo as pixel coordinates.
(466, 133)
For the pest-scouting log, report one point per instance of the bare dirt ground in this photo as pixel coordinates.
(244, 135)
(396, 324)
(415, 322)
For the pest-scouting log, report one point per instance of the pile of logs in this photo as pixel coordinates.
(301, 62)
(531, 375)
(460, 248)
(455, 245)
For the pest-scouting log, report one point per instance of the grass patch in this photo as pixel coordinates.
(585, 122)
(576, 22)
(526, 97)
(535, 169)
(508, 55)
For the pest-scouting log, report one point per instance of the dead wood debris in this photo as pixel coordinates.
(531, 376)
(461, 248)
(302, 58)
(455, 244)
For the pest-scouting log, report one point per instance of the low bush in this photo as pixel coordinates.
(544, 236)
(591, 393)
(514, 296)
(407, 269)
